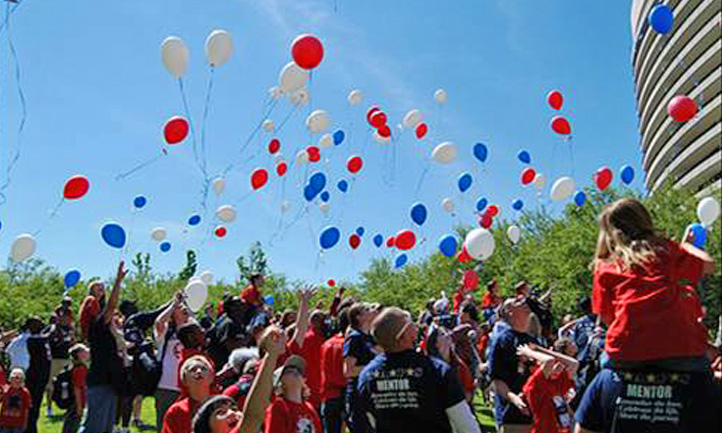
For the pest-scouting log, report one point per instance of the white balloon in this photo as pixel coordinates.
(708, 211)
(355, 97)
(226, 213)
(563, 188)
(448, 205)
(301, 157)
(301, 96)
(318, 121)
(285, 206)
(325, 208)
(445, 152)
(539, 181)
(441, 96)
(219, 46)
(174, 55)
(23, 247)
(326, 140)
(219, 185)
(275, 92)
(159, 233)
(514, 234)
(196, 293)
(292, 78)
(207, 277)
(412, 118)
(268, 125)
(480, 244)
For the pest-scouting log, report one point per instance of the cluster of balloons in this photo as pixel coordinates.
(486, 217)
(412, 120)
(379, 120)
(174, 53)
(559, 124)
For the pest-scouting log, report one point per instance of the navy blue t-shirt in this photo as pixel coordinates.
(505, 365)
(361, 346)
(409, 392)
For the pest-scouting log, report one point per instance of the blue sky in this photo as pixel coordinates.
(97, 96)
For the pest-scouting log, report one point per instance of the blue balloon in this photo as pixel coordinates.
(700, 235)
(360, 231)
(378, 240)
(309, 193)
(317, 181)
(71, 278)
(338, 137)
(524, 156)
(194, 220)
(1, 225)
(342, 185)
(400, 261)
(325, 196)
(448, 245)
(268, 300)
(481, 152)
(517, 204)
(165, 247)
(580, 198)
(465, 181)
(481, 204)
(627, 174)
(329, 237)
(139, 201)
(419, 213)
(661, 19)
(113, 235)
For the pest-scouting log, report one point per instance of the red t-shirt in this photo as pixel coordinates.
(653, 313)
(15, 404)
(3, 381)
(284, 416)
(467, 380)
(251, 295)
(78, 377)
(333, 382)
(178, 418)
(458, 298)
(89, 310)
(547, 400)
(311, 352)
(489, 300)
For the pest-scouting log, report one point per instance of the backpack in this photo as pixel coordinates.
(146, 371)
(63, 394)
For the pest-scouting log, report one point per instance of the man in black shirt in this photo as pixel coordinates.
(106, 366)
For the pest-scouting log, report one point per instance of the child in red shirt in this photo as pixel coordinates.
(15, 401)
(79, 355)
(643, 288)
(290, 413)
(550, 388)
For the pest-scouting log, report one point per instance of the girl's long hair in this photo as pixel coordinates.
(627, 236)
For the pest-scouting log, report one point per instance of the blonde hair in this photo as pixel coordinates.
(19, 371)
(191, 362)
(627, 236)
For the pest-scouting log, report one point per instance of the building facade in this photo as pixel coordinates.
(686, 61)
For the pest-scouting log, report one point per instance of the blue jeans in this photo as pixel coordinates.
(11, 430)
(332, 415)
(100, 413)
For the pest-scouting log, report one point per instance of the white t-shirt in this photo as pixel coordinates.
(18, 351)
(169, 377)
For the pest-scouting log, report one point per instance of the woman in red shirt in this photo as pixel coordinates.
(290, 412)
(644, 288)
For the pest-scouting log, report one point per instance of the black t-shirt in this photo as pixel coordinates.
(105, 363)
(361, 346)
(409, 392)
(61, 339)
(504, 364)
(39, 367)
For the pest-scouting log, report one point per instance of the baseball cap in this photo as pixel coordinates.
(293, 361)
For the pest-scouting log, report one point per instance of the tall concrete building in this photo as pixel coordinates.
(686, 61)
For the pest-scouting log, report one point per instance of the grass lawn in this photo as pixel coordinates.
(54, 424)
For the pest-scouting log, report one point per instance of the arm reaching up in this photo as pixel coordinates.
(115, 293)
(304, 298)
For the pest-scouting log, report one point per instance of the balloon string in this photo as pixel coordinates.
(421, 179)
(571, 153)
(53, 213)
(203, 162)
(140, 166)
(253, 133)
(187, 112)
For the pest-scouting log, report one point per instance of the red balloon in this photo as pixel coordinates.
(281, 168)
(527, 176)
(274, 146)
(372, 109)
(384, 131)
(220, 231)
(464, 255)
(259, 177)
(555, 99)
(307, 51)
(603, 178)
(331, 283)
(405, 240)
(354, 241)
(682, 108)
(486, 220)
(561, 126)
(493, 210)
(175, 129)
(354, 164)
(390, 242)
(470, 280)
(76, 187)
(314, 154)
(421, 130)
(378, 119)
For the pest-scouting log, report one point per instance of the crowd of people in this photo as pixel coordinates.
(637, 358)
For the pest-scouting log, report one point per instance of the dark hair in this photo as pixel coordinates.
(343, 322)
(354, 312)
(585, 304)
(202, 418)
(469, 308)
(253, 278)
